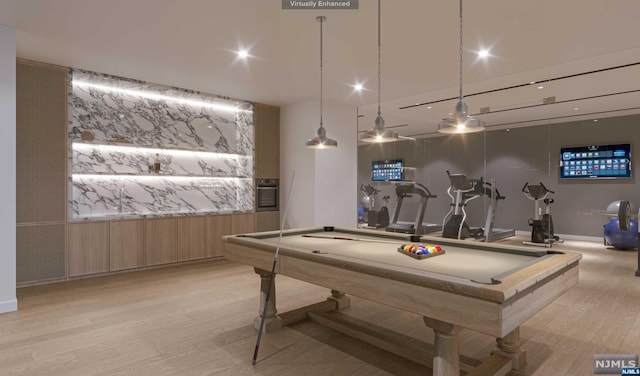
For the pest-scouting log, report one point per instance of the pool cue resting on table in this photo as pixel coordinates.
(273, 270)
(356, 239)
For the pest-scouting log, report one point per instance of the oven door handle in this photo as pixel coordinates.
(272, 188)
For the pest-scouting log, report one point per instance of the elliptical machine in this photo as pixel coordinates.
(542, 223)
(454, 224)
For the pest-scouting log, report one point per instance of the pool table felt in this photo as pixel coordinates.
(511, 285)
(471, 264)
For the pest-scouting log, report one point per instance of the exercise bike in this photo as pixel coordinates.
(375, 218)
(542, 223)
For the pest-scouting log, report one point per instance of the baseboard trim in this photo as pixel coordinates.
(9, 306)
(595, 239)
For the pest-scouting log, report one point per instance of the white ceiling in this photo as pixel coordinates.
(191, 44)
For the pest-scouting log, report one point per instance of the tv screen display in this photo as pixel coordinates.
(387, 170)
(596, 162)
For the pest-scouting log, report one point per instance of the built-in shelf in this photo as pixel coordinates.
(129, 148)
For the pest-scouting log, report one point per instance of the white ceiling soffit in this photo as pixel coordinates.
(593, 88)
(192, 44)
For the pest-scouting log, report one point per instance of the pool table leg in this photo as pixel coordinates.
(340, 298)
(509, 346)
(272, 321)
(446, 360)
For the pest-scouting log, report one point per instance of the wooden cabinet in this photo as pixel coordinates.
(192, 243)
(160, 241)
(267, 141)
(88, 248)
(243, 223)
(126, 244)
(100, 247)
(217, 227)
(41, 177)
(268, 221)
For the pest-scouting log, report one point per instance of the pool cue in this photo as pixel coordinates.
(273, 270)
(355, 239)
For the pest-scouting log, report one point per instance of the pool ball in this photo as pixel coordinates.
(438, 248)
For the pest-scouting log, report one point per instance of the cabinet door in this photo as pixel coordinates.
(267, 132)
(160, 241)
(88, 248)
(243, 223)
(268, 221)
(192, 242)
(126, 244)
(217, 227)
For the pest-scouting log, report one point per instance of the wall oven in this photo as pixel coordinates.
(267, 195)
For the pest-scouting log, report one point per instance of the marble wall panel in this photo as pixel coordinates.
(96, 196)
(117, 159)
(204, 143)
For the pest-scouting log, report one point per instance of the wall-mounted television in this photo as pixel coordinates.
(387, 170)
(596, 162)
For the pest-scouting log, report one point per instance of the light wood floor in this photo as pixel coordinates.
(197, 320)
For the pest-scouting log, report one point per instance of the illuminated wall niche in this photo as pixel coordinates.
(117, 126)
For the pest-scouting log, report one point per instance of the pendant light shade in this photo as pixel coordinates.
(321, 141)
(461, 122)
(378, 133)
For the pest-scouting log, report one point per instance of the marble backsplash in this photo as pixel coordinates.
(204, 144)
(97, 196)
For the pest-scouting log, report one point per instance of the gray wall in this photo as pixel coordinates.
(513, 158)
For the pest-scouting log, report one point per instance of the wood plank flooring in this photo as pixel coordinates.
(196, 319)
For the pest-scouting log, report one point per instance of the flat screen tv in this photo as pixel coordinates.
(387, 170)
(596, 162)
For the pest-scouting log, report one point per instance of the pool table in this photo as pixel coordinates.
(489, 288)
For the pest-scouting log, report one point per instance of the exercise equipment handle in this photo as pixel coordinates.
(545, 188)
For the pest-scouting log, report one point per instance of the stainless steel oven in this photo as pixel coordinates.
(267, 194)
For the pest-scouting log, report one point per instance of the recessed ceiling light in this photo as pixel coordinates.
(483, 54)
(508, 130)
(429, 107)
(450, 113)
(595, 119)
(243, 54)
(357, 87)
(532, 82)
(540, 87)
(575, 108)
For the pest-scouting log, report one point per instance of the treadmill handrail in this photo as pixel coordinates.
(405, 189)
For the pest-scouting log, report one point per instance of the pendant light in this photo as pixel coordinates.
(461, 122)
(321, 141)
(378, 133)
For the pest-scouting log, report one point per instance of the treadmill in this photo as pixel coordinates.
(408, 189)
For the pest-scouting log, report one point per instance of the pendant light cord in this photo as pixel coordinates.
(460, 97)
(321, 22)
(379, 85)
